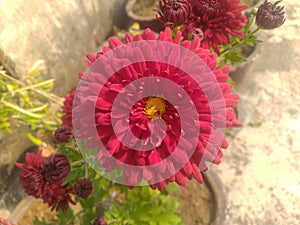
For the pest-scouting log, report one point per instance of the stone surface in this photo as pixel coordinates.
(60, 32)
(261, 169)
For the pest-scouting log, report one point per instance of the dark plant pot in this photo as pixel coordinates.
(216, 187)
(203, 204)
(146, 21)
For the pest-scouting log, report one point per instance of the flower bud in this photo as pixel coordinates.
(83, 188)
(196, 33)
(174, 12)
(270, 16)
(63, 134)
(56, 167)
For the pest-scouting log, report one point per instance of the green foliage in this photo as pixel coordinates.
(232, 53)
(145, 206)
(119, 204)
(28, 102)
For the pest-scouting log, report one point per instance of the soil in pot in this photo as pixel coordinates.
(196, 203)
(145, 7)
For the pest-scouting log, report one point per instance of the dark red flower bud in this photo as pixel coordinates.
(270, 16)
(56, 167)
(100, 221)
(174, 12)
(83, 188)
(196, 33)
(63, 134)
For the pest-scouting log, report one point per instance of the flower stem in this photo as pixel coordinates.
(240, 42)
(24, 86)
(79, 162)
(86, 175)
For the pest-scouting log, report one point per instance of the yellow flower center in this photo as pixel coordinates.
(155, 107)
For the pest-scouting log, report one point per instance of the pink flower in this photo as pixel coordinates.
(217, 19)
(148, 112)
(4, 221)
(99, 221)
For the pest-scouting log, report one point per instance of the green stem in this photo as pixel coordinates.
(34, 85)
(240, 42)
(49, 96)
(21, 110)
(86, 175)
(11, 78)
(79, 162)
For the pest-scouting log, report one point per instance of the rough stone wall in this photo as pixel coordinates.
(60, 32)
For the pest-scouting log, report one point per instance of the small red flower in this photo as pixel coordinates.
(100, 221)
(4, 221)
(217, 19)
(56, 167)
(83, 188)
(43, 178)
(67, 109)
(31, 176)
(58, 196)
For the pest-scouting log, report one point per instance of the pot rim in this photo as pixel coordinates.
(131, 14)
(216, 186)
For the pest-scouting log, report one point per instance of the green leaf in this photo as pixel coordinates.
(34, 140)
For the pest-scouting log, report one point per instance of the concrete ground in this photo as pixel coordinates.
(261, 168)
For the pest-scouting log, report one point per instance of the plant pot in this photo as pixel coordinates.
(141, 11)
(203, 204)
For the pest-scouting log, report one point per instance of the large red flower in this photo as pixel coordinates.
(217, 19)
(147, 113)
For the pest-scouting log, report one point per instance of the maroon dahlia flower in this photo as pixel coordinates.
(31, 176)
(43, 178)
(67, 109)
(83, 188)
(174, 12)
(270, 16)
(217, 19)
(63, 134)
(58, 196)
(100, 221)
(56, 167)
